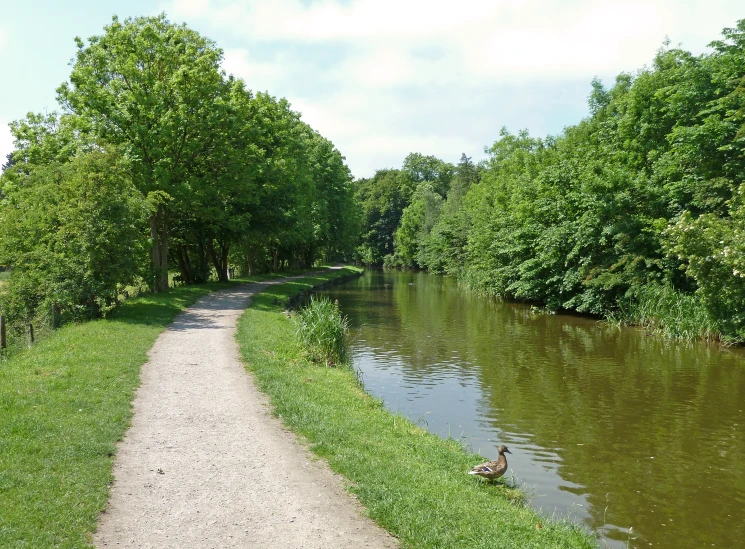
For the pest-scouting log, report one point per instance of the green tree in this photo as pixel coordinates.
(157, 89)
(443, 250)
(383, 198)
(73, 234)
(430, 169)
(644, 193)
(417, 222)
(41, 139)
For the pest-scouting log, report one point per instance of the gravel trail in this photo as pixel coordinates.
(205, 464)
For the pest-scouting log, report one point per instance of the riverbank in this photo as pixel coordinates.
(655, 308)
(413, 483)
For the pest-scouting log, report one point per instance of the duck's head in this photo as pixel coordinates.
(503, 449)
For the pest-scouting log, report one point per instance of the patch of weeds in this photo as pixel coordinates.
(323, 332)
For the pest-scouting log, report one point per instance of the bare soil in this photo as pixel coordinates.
(205, 464)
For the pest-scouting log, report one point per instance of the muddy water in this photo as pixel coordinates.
(640, 438)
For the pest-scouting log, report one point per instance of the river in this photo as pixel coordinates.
(638, 437)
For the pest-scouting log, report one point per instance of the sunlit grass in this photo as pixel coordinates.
(64, 404)
(413, 483)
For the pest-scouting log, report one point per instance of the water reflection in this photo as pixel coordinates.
(611, 426)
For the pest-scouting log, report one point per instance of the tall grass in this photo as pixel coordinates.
(663, 309)
(323, 332)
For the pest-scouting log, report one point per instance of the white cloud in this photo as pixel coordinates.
(386, 77)
(492, 39)
(331, 20)
(260, 74)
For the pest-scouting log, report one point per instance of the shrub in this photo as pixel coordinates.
(322, 331)
(75, 235)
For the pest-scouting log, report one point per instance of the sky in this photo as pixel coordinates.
(384, 78)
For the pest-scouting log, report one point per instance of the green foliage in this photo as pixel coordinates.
(41, 139)
(323, 332)
(712, 253)
(74, 235)
(417, 221)
(442, 250)
(228, 177)
(428, 169)
(155, 87)
(383, 198)
(644, 192)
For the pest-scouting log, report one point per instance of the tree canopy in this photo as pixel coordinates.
(224, 176)
(638, 206)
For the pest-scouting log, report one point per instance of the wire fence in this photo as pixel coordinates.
(16, 336)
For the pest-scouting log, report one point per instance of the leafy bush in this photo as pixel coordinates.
(322, 331)
(74, 234)
(711, 251)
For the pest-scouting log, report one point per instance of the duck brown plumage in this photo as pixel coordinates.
(492, 470)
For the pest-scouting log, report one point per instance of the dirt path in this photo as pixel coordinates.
(204, 464)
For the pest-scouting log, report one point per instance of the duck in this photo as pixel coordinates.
(492, 470)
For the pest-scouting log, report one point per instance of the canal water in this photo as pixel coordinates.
(640, 438)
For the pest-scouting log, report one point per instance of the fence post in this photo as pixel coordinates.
(31, 332)
(3, 338)
(53, 315)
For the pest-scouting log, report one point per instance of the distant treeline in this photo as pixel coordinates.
(160, 161)
(636, 213)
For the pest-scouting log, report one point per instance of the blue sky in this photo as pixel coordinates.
(383, 78)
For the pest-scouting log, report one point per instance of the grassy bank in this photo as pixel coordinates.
(64, 404)
(662, 310)
(412, 483)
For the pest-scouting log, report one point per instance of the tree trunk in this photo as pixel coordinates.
(155, 251)
(220, 260)
(159, 252)
(249, 263)
(184, 266)
(187, 263)
(224, 249)
(203, 260)
(164, 257)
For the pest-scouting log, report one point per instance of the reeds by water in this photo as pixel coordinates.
(322, 331)
(662, 309)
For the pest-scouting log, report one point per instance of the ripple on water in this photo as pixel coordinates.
(638, 437)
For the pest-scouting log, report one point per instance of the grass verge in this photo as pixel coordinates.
(413, 483)
(64, 404)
